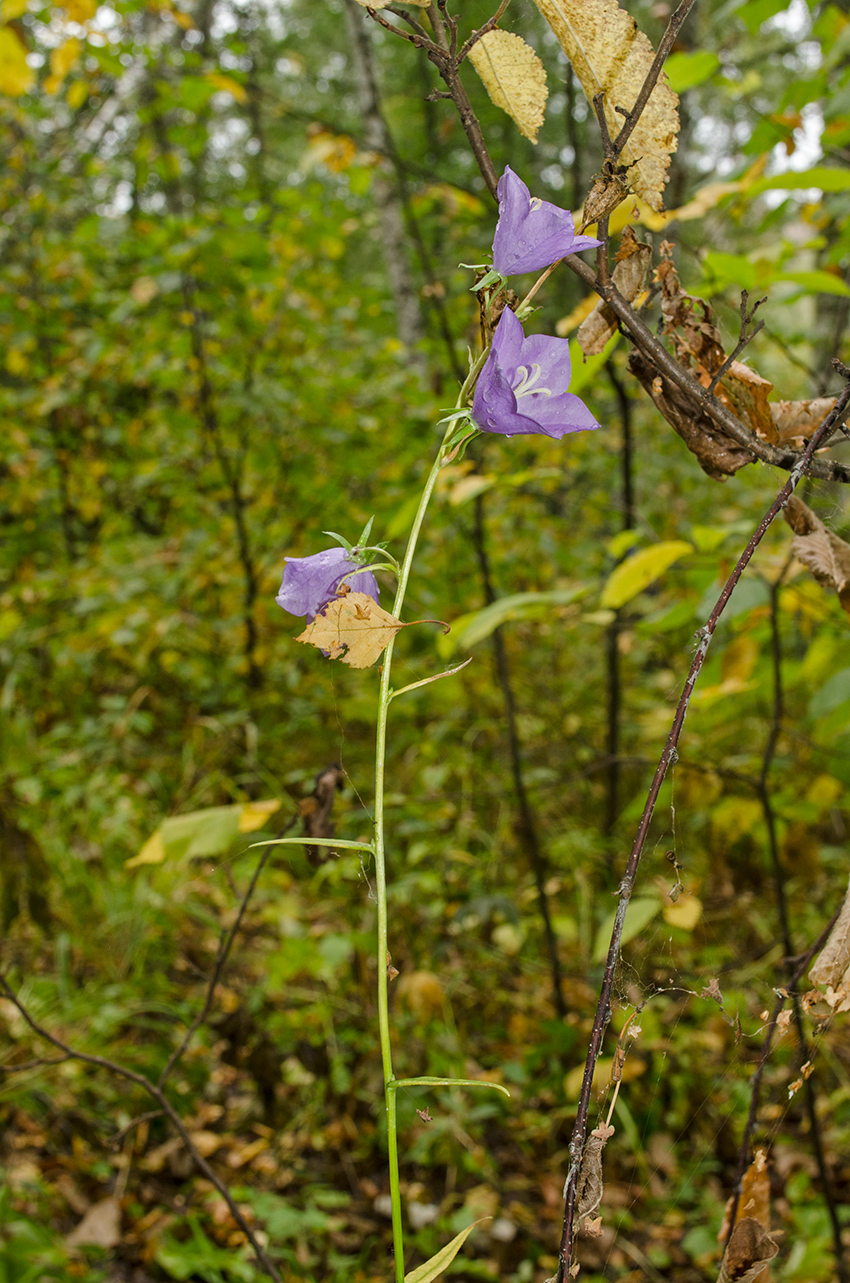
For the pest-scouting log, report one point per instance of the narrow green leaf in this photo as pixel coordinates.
(639, 571)
(474, 627)
(817, 282)
(441, 1260)
(822, 176)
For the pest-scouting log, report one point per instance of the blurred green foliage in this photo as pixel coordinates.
(201, 373)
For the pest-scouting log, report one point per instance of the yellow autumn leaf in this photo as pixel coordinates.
(639, 571)
(153, 852)
(441, 1260)
(16, 76)
(11, 9)
(514, 77)
(611, 56)
(227, 85)
(16, 361)
(685, 913)
(354, 628)
(65, 57)
(81, 11)
(632, 1068)
(255, 814)
(77, 93)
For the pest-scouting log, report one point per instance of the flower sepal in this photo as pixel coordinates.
(491, 277)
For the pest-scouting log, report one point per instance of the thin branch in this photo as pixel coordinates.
(743, 1152)
(646, 342)
(167, 1108)
(421, 42)
(116, 1138)
(482, 31)
(674, 26)
(409, 19)
(225, 945)
(668, 755)
(745, 337)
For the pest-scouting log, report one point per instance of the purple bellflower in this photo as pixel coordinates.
(523, 386)
(531, 234)
(309, 583)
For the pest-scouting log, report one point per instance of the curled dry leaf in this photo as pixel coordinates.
(827, 556)
(589, 1189)
(611, 56)
(382, 4)
(354, 628)
(833, 964)
(514, 77)
(748, 1254)
(630, 267)
(719, 456)
(746, 393)
(795, 421)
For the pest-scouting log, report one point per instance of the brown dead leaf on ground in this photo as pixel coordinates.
(354, 628)
(825, 555)
(100, 1227)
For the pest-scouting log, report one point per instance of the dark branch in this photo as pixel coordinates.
(745, 337)
(674, 26)
(668, 755)
(482, 31)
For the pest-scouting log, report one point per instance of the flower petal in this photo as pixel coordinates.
(531, 234)
(309, 583)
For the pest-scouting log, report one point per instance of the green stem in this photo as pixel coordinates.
(384, 699)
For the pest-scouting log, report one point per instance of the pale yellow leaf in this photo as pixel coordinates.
(514, 77)
(354, 628)
(64, 58)
(639, 571)
(10, 9)
(16, 76)
(153, 852)
(227, 85)
(442, 1260)
(81, 11)
(633, 1068)
(685, 913)
(610, 55)
(255, 814)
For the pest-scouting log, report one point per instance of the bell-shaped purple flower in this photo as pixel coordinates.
(531, 234)
(523, 387)
(309, 583)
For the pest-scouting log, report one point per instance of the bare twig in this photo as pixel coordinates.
(225, 945)
(755, 1086)
(116, 1138)
(167, 1108)
(668, 755)
(674, 26)
(647, 343)
(745, 337)
(482, 31)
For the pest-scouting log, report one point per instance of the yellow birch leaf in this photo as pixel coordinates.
(382, 4)
(11, 9)
(611, 56)
(685, 913)
(16, 76)
(514, 77)
(153, 852)
(255, 814)
(227, 85)
(81, 11)
(78, 92)
(638, 572)
(64, 58)
(354, 628)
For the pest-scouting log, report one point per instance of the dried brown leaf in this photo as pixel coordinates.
(746, 394)
(719, 456)
(795, 421)
(749, 1253)
(834, 960)
(354, 628)
(514, 77)
(827, 556)
(631, 265)
(589, 1189)
(611, 56)
(100, 1227)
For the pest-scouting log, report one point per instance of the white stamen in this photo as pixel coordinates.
(526, 387)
